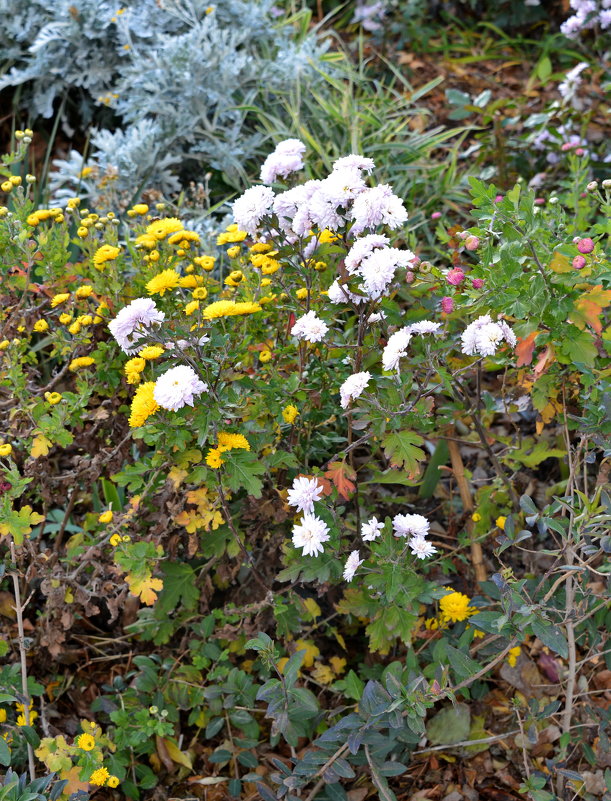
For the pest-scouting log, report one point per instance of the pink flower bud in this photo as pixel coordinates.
(472, 242)
(435, 215)
(455, 276)
(585, 245)
(539, 201)
(567, 146)
(462, 234)
(415, 261)
(579, 151)
(498, 198)
(409, 277)
(579, 262)
(447, 304)
(477, 283)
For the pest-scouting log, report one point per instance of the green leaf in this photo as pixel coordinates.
(461, 664)
(5, 753)
(354, 686)
(451, 725)
(544, 69)
(401, 449)
(179, 584)
(550, 635)
(241, 472)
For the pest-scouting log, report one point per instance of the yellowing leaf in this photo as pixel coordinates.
(311, 651)
(178, 756)
(560, 263)
(40, 446)
(146, 587)
(177, 476)
(312, 607)
(338, 664)
(589, 306)
(323, 674)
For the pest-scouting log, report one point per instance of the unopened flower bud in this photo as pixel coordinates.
(409, 277)
(472, 242)
(593, 185)
(579, 263)
(455, 277)
(553, 201)
(447, 304)
(607, 183)
(477, 283)
(585, 245)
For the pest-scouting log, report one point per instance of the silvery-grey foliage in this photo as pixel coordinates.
(178, 75)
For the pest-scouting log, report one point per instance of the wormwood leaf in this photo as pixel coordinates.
(342, 476)
(401, 449)
(242, 470)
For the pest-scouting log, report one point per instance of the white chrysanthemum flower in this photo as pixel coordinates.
(424, 327)
(361, 249)
(339, 293)
(303, 493)
(287, 204)
(371, 529)
(309, 534)
(376, 317)
(352, 387)
(352, 565)
(377, 206)
(309, 327)
(483, 336)
(410, 525)
(379, 268)
(421, 547)
(130, 324)
(251, 207)
(286, 158)
(354, 161)
(178, 387)
(396, 349)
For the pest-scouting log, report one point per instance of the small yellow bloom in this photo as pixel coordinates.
(115, 540)
(500, 522)
(6, 449)
(213, 458)
(140, 208)
(2, 715)
(99, 777)
(259, 247)
(104, 254)
(161, 228)
(205, 262)
(183, 238)
(454, 607)
(83, 232)
(4, 344)
(512, 656)
(229, 308)
(143, 404)
(85, 742)
(265, 356)
(191, 307)
(302, 293)
(151, 352)
(476, 517)
(106, 517)
(266, 282)
(82, 361)
(75, 328)
(201, 293)
(85, 319)
(41, 325)
(6, 186)
(65, 318)
(61, 298)
(227, 441)
(163, 282)
(113, 781)
(84, 291)
(289, 414)
(52, 398)
(233, 252)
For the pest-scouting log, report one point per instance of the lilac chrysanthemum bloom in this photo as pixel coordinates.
(304, 492)
(361, 249)
(371, 529)
(286, 158)
(352, 387)
(410, 525)
(309, 534)
(178, 387)
(354, 162)
(309, 327)
(130, 324)
(421, 547)
(251, 207)
(377, 206)
(379, 268)
(352, 565)
(483, 336)
(396, 349)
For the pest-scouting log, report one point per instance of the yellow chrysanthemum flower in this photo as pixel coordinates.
(61, 298)
(65, 318)
(151, 352)
(213, 458)
(184, 236)
(84, 291)
(189, 281)
(163, 282)
(201, 293)
(133, 368)
(205, 262)
(104, 254)
(290, 413)
(75, 328)
(115, 540)
(53, 398)
(500, 522)
(260, 247)
(146, 241)
(229, 308)
(191, 307)
(82, 361)
(113, 781)
(85, 742)
(227, 441)
(455, 607)
(143, 404)
(41, 325)
(161, 228)
(301, 293)
(512, 656)
(234, 251)
(140, 208)
(6, 449)
(265, 356)
(99, 777)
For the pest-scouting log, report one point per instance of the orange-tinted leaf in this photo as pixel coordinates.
(525, 348)
(544, 361)
(560, 263)
(589, 306)
(342, 476)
